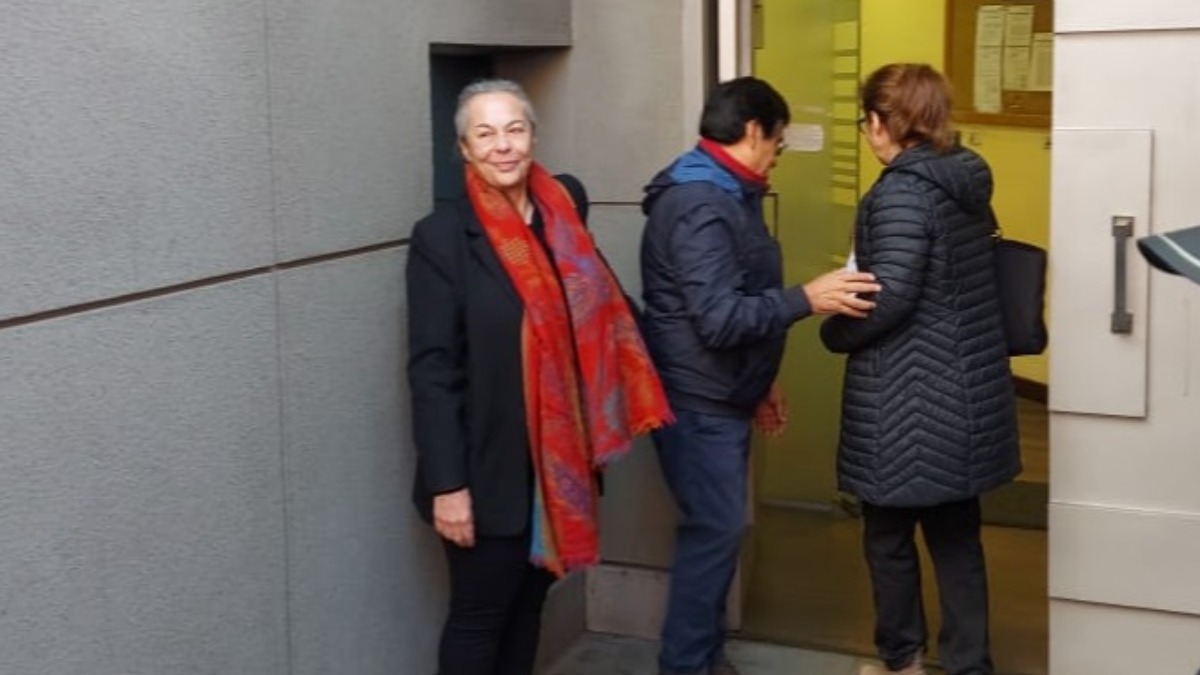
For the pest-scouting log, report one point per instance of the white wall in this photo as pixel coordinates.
(1125, 512)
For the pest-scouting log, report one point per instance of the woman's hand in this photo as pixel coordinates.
(452, 517)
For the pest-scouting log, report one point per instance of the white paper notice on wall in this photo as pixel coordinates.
(1018, 38)
(1016, 68)
(804, 137)
(1018, 26)
(1041, 67)
(989, 26)
(988, 71)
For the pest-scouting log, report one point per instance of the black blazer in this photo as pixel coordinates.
(464, 370)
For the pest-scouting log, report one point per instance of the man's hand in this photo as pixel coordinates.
(452, 517)
(771, 417)
(837, 293)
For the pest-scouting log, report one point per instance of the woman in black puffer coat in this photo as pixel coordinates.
(928, 415)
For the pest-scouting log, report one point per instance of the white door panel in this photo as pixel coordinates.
(1098, 175)
(1102, 640)
(1126, 557)
(1124, 15)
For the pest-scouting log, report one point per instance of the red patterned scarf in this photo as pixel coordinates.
(576, 424)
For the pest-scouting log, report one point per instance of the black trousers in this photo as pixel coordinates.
(952, 535)
(496, 599)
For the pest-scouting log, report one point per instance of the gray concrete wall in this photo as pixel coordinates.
(522, 23)
(206, 457)
(205, 461)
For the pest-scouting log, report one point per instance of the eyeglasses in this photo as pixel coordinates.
(780, 147)
(861, 123)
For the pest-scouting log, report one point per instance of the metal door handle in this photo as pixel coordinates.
(1122, 232)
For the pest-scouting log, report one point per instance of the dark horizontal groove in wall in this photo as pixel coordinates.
(151, 294)
(326, 257)
(610, 203)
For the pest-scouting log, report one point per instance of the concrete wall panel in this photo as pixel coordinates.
(628, 59)
(612, 108)
(617, 229)
(350, 122)
(170, 512)
(638, 515)
(367, 582)
(140, 492)
(135, 147)
(533, 23)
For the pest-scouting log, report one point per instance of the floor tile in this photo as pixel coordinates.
(596, 654)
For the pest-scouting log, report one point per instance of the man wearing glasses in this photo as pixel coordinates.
(716, 320)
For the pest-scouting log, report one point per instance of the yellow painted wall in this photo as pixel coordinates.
(912, 30)
(800, 55)
(797, 56)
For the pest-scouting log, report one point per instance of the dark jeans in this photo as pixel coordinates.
(496, 599)
(704, 459)
(952, 535)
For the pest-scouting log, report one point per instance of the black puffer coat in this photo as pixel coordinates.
(928, 413)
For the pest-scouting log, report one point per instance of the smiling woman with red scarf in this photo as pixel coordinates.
(528, 375)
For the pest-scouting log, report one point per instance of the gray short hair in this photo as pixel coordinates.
(495, 86)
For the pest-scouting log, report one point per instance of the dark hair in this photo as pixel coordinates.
(914, 102)
(734, 103)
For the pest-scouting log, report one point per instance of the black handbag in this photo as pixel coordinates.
(1021, 288)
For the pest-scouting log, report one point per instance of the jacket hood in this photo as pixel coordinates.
(693, 166)
(961, 173)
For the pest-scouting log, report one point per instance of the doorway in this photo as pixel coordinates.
(806, 580)
(451, 69)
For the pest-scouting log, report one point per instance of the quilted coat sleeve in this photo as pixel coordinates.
(711, 276)
(897, 233)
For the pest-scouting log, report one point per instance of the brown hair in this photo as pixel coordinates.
(913, 100)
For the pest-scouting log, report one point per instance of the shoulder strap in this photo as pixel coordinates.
(578, 194)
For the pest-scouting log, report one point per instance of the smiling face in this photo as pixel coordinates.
(498, 139)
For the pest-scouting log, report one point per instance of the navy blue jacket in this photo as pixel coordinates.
(716, 315)
(928, 413)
